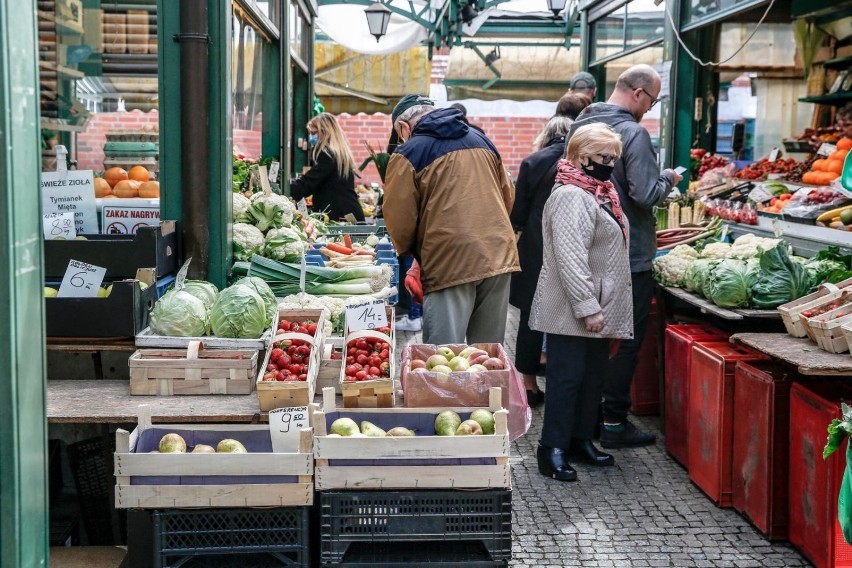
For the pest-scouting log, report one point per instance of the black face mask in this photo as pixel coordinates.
(598, 171)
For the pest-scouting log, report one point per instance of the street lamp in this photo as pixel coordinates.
(378, 16)
(469, 11)
(556, 6)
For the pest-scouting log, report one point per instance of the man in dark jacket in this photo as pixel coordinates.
(447, 202)
(641, 185)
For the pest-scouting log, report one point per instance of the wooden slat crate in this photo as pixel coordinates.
(177, 480)
(194, 371)
(329, 371)
(791, 312)
(378, 393)
(278, 394)
(398, 462)
(137, 31)
(146, 338)
(827, 329)
(114, 32)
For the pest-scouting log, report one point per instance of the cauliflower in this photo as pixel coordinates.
(248, 240)
(333, 308)
(241, 204)
(270, 211)
(716, 251)
(750, 246)
(669, 269)
(285, 244)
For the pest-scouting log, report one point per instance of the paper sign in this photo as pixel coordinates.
(127, 220)
(760, 195)
(71, 192)
(724, 234)
(180, 279)
(302, 207)
(59, 226)
(303, 268)
(773, 155)
(81, 280)
(285, 425)
(264, 180)
(826, 149)
(350, 218)
(665, 71)
(273, 171)
(369, 314)
(776, 228)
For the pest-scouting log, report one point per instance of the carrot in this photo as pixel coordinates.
(347, 240)
(338, 248)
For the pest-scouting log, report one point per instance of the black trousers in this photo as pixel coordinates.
(527, 346)
(574, 383)
(617, 379)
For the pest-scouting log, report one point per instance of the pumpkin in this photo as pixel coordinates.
(150, 190)
(102, 187)
(819, 165)
(139, 173)
(844, 144)
(115, 175)
(126, 188)
(835, 166)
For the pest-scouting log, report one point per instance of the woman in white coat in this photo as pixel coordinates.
(583, 299)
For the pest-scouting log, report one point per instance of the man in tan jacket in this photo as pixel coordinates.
(447, 202)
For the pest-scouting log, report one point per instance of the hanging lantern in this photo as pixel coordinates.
(378, 16)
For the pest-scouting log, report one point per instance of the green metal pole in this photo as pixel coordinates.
(23, 424)
(168, 60)
(271, 144)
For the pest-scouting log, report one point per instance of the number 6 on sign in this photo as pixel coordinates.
(81, 280)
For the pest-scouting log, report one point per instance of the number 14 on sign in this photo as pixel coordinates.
(366, 315)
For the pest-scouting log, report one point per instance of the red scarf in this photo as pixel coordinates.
(603, 191)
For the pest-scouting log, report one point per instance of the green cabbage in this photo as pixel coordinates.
(264, 291)
(730, 284)
(781, 280)
(239, 312)
(179, 314)
(203, 290)
(696, 274)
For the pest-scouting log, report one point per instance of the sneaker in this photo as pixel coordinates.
(625, 435)
(408, 324)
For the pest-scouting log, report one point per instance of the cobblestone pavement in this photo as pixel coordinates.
(642, 512)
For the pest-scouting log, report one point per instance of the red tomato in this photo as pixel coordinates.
(352, 351)
(284, 360)
(361, 375)
(384, 354)
(284, 325)
(271, 367)
(385, 368)
(362, 359)
(312, 328)
(361, 344)
(350, 360)
(375, 361)
(281, 376)
(303, 377)
(374, 371)
(276, 354)
(296, 369)
(304, 350)
(350, 371)
(296, 328)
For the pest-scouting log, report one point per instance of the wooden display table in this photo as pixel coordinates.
(801, 353)
(94, 345)
(87, 556)
(709, 307)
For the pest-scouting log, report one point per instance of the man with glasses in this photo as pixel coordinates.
(641, 185)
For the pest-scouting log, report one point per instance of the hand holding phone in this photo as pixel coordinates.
(679, 170)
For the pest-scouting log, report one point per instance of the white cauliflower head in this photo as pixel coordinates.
(670, 268)
(270, 211)
(241, 204)
(248, 240)
(749, 246)
(715, 251)
(285, 244)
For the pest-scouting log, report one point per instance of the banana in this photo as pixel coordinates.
(830, 215)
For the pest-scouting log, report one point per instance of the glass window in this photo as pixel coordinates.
(247, 83)
(705, 9)
(296, 27)
(634, 24)
(652, 56)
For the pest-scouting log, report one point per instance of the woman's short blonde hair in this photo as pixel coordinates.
(591, 139)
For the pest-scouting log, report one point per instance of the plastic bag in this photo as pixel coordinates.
(810, 202)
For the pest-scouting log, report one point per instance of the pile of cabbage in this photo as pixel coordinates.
(752, 272)
(242, 311)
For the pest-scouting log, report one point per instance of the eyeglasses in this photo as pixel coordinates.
(607, 159)
(653, 100)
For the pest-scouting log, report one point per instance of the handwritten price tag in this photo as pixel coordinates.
(59, 226)
(774, 154)
(180, 279)
(284, 427)
(81, 280)
(369, 314)
(302, 207)
(273, 171)
(826, 149)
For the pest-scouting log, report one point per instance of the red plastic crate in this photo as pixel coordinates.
(645, 386)
(760, 467)
(678, 354)
(711, 415)
(814, 482)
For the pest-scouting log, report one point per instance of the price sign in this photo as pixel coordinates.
(59, 226)
(760, 195)
(350, 218)
(302, 207)
(264, 180)
(285, 425)
(273, 171)
(724, 234)
(826, 149)
(776, 228)
(71, 192)
(302, 269)
(180, 279)
(369, 314)
(773, 155)
(81, 280)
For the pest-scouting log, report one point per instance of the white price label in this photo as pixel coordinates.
(180, 279)
(302, 207)
(724, 234)
(81, 280)
(826, 149)
(285, 425)
(273, 171)
(776, 228)
(59, 226)
(71, 192)
(302, 270)
(366, 315)
(760, 195)
(773, 155)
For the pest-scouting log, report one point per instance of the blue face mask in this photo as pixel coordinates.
(313, 139)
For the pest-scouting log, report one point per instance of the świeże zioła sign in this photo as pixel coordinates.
(71, 192)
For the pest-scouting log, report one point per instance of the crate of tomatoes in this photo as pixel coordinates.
(824, 323)
(366, 376)
(288, 376)
(793, 313)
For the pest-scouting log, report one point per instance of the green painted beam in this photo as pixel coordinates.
(411, 13)
(271, 144)
(23, 423)
(169, 89)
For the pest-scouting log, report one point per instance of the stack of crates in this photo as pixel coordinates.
(385, 254)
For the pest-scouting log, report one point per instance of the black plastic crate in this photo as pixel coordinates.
(231, 537)
(424, 522)
(92, 465)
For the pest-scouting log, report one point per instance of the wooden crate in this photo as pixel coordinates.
(275, 394)
(194, 371)
(329, 371)
(114, 33)
(847, 333)
(791, 311)
(827, 329)
(377, 393)
(146, 338)
(137, 31)
(397, 463)
(179, 478)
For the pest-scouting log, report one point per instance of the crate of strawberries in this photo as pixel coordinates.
(366, 375)
(289, 372)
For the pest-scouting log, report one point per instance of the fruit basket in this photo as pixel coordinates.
(194, 371)
(366, 352)
(419, 461)
(791, 312)
(148, 479)
(826, 329)
(288, 375)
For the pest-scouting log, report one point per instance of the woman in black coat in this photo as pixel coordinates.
(331, 180)
(532, 189)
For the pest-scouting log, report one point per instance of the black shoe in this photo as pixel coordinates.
(534, 398)
(586, 451)
(551, 463)
(627, 437)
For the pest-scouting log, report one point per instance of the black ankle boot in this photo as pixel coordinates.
(552, 463)
(586, 451)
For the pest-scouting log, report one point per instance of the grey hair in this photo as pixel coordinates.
(641, 75)
(556, 127)
(414, 114)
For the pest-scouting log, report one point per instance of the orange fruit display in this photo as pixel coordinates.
(126, 188)
(139, 173)
(115, 175)
(150, 190)
(102, 187)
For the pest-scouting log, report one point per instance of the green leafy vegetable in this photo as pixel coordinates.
(239, 312)
(781, 280)
(179, 314)
(203, 290)
(729, 283)
(264, 291)
(696, 274)
(838, 430)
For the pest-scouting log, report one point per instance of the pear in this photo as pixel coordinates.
(203, 449)
(50, 292)
(358, 435)
(228, 446)
(344, 427)
(446, 423)
(484, 418)
(446, 352)
(469, 428)
(371, 430)
(172, 444)
(102, 292)
(334, 436)
(400, 431)
(459, 364)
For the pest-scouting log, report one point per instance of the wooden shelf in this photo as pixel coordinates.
(61, 126)
(798, 352)
(833, 99)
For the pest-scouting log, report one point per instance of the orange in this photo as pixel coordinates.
(844, 144)
(102, 187)
(126, 188)
(835, 166)
(819, 165)
(149, 189)
(115, 175)
(138, 173)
